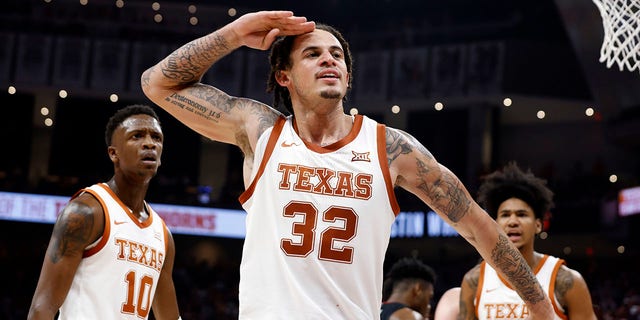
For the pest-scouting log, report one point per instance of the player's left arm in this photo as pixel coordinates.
(415, 169)
(165, 302)
(573, 294)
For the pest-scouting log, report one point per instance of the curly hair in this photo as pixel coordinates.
(512, 182)
(280, 59)
(407, 270)
(124, 113)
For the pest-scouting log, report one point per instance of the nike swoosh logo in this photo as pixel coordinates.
(490, 290)
(119, 222)
(286, 145)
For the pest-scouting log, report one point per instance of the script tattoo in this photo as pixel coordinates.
(513, 265)
(72, 231)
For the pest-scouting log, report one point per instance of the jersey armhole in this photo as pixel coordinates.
(275, 134)
(102, 240)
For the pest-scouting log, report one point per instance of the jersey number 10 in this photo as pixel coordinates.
(139, 306)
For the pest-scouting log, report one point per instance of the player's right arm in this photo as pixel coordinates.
(468, 291)
(79, 224)
(174, 83)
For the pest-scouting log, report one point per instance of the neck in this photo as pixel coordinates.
(130, 194)
(530, 256)
(323, 129)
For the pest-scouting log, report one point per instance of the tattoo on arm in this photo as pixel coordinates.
(396, 145)
(471, 279)
(187, 64)
(214, 96)
(513, 265)
(266, 117)
(564, 282)
(72, 232)
(446, 192)
(463, 311)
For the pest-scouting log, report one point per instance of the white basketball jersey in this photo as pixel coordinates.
(318, 226)
(495, 299)
(117, 276)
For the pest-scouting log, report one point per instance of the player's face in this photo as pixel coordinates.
(318, 67)
(136, 147)
(517, 219)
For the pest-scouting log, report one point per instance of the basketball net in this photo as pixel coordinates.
(621, 43)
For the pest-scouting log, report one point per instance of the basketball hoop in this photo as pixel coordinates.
(621, 43)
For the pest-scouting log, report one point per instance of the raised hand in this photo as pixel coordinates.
(258, 30)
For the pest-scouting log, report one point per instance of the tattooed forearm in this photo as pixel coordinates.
(72, 232)
(446, 192)
(513, 265)
(188, 63)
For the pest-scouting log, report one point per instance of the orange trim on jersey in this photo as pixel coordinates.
(384, 165)
(107, 225)
(535, 271)
(357, 125)
(476, 303)
(127, 210)
(275, 133)
(552, 287)
(166, 238)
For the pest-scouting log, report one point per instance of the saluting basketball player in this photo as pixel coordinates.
(518, 201)
(319, 182)
(110, 255)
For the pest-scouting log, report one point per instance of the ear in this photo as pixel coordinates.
(416, 288)
(282, 78)
(538, 225)
(113, 154)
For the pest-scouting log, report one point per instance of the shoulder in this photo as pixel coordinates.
(406, 313)
(400, 143)
(85, 206)
(81, 220)
(473, 275)
(448, 306)
(566, 279)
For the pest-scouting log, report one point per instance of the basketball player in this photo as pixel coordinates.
(518, 201)
(410, 283)
(110, 255)
(448, 306)
(319, 183)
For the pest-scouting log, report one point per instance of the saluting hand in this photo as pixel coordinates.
(258, 30)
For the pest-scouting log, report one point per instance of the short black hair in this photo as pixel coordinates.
(124, 113)
(280, 59)
(512, 182)
(408, 269)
